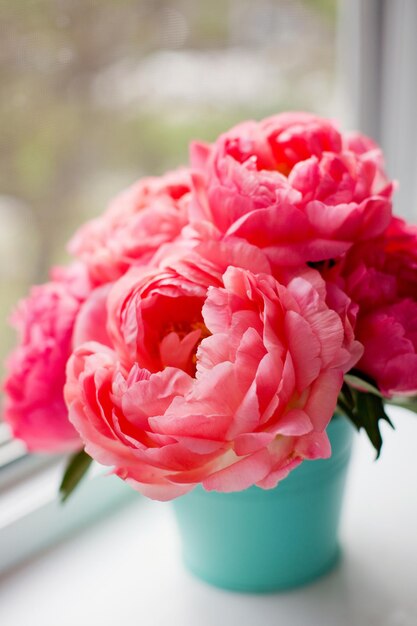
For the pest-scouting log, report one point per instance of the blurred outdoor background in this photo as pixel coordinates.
(97, 94)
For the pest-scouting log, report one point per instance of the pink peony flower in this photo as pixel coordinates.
(138, 221)
(34, 406)
(381, 277)
(220, 376)
(293, 185)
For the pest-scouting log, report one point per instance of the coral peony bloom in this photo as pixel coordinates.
(293, 185)
(381, 277)
(149, 303)
(229, 382)
(138, 221)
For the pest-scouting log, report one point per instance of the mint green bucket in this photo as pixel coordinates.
(266, 540)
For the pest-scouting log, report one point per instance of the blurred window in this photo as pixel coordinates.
(378, 60)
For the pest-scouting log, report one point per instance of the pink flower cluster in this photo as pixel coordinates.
(203, 333)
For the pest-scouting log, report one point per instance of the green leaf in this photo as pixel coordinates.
(347, 396)
(350, 413)
(360, 400)
(76, 469)
(370, 410)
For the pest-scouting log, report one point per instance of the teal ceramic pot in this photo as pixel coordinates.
(267, 540)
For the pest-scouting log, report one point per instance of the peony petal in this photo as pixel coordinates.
(240, 475)
(314, 446)
(163, 492)
(322, 398)
(248, 443)
(295, 422)
(305, 349)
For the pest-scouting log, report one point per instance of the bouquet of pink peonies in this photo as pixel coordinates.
(217, 317)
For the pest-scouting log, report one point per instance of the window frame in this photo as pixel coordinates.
(377, 60)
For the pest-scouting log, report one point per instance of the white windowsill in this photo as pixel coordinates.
(31, 516)
(126, 569)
